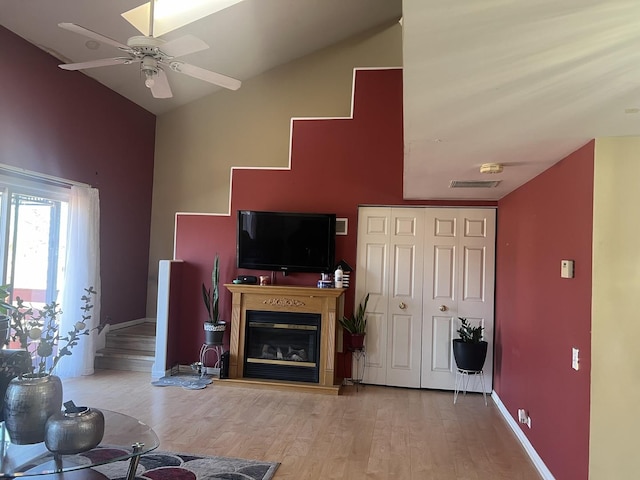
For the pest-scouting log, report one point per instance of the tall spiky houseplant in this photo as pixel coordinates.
(214, 327)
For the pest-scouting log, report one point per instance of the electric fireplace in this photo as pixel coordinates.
(282, 346)
(285, 337)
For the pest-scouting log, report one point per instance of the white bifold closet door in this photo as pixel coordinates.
(423, 268)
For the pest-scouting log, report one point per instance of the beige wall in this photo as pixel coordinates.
(196, 145)
(615, 359)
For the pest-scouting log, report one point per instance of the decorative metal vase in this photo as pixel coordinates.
(69, 433)
(29, 401)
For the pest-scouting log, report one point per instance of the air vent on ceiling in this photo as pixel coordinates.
(474, 183)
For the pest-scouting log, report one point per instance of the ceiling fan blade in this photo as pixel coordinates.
(105, 62)
(72, 27)
(206, 75)
(161, 87)
(183, 46)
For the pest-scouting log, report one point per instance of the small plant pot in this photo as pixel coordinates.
(213, 334)
(469, 356)
(355, 341)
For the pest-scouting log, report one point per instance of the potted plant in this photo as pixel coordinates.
(33, 397)
(469, 351)
(213, 328)
(356, 325)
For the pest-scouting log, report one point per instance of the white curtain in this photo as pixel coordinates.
(82, 270)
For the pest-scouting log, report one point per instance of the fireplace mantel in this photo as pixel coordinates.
(327, 302)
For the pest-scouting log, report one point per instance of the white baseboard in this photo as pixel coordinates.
(524, 441)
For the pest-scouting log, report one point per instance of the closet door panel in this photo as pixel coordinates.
(372, 273)
(404, 348)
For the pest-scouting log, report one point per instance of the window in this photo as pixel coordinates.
(33, 237)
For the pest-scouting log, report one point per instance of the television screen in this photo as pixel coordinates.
(286, 241)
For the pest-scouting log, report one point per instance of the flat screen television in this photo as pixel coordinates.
(286, 241)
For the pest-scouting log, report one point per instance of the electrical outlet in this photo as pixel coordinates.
(522, 415)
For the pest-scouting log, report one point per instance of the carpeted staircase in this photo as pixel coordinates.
(129, 348)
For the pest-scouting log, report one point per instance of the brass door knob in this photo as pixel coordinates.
(402, 305)
(443, 308)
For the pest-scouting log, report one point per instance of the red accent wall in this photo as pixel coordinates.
(541, 316)
(337, 164)
(65, 124)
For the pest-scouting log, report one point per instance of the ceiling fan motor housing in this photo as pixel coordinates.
(149, 65)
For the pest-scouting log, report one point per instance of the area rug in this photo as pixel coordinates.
(158, 465)
(190, 382)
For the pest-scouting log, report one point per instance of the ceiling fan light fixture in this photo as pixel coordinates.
(149, 81)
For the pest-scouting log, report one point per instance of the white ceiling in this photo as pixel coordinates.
(523, 83)
(245, 39)
(511, 81)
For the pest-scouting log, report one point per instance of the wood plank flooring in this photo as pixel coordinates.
(376, 433)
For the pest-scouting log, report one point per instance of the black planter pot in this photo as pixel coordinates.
(469, 356)
(214, 333)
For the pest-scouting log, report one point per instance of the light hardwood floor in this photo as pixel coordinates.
(375, 433)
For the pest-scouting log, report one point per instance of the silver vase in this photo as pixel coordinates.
(29, 401)
(71, 433)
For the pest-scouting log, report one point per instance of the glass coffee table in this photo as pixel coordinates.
(125, 438)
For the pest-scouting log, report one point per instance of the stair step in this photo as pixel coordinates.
(126, 364)
(129, 348)
(124, 353)
(143, 329)
(131, 342)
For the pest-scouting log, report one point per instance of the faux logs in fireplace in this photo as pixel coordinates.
(282, 346)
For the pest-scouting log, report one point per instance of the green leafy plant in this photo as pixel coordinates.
(37, 331)
(468, 333)
(357, 323)
(211, 296)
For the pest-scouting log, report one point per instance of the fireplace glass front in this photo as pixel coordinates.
(282, 346)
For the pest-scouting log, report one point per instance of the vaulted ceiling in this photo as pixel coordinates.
(513, 82)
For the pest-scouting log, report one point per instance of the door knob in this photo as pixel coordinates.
(443, 308)
(402, 305)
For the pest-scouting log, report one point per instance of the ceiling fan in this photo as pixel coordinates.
(153, 55)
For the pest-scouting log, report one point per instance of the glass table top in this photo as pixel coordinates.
(124, 438)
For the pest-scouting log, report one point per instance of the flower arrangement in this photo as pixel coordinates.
(37, 331)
